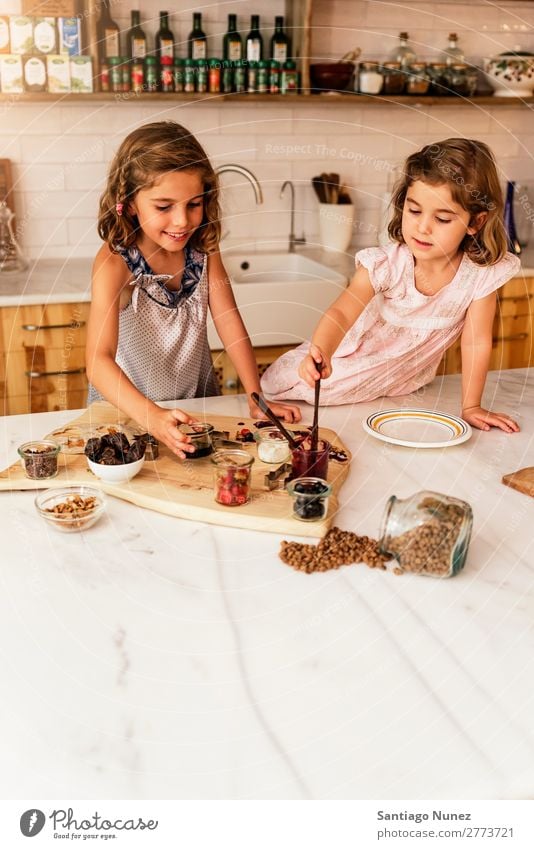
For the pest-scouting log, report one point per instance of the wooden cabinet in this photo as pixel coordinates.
(229, 382)
(512, 330)
(43, 358)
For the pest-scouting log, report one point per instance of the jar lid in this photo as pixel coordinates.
(214, 62)
(263, 64)
(289, 65)
(460, 66)
(418, 66)
(369, 66)
(115, 60)
(179, 61)
(439, 65)
(166, 60)
(150, 60)
(393, 66)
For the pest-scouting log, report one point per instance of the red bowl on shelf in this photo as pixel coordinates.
(331, 76)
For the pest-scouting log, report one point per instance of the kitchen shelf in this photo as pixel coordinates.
(336, 97)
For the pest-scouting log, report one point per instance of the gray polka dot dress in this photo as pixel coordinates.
(163, 340)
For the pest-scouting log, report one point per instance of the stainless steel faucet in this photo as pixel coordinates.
(240, 169)
(292, 238)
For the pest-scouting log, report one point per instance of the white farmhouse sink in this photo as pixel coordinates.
(281, 296)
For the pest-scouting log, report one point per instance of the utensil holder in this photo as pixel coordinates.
(336, 224)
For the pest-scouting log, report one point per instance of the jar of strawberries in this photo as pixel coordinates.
(232, 473)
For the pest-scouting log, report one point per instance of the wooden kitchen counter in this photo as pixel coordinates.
(153, 657)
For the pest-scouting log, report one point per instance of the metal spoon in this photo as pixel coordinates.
(274, 419)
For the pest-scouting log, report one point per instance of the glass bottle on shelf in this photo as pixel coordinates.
(280, 42)
(232, 43)
(514, 245)
(136, 38)
(254, 40)
(108, 33)
(198, 43)
(403, 53)
(164, 38)
(453, 55)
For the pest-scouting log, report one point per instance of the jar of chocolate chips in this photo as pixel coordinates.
(39, 459)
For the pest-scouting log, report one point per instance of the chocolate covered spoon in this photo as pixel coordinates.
(274, 419)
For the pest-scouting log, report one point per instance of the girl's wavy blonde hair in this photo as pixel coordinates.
(468, 168)
(146, 154)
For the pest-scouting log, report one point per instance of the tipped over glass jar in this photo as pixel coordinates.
(427, 533)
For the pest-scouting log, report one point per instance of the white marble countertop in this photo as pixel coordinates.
(152, 657)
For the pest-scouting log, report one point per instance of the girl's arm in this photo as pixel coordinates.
(333, 326)
(110, 278)
(476, 351)
(235, 339)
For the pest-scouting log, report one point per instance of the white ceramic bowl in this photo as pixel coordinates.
(511, 74)
(116, 474)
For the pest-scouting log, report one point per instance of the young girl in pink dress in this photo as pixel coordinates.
(409, 301)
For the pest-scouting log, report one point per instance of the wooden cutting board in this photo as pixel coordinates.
(184, 488)
(523, 480)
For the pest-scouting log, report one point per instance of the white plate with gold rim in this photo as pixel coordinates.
(418, 428)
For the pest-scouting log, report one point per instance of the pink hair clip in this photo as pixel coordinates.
(118, 208)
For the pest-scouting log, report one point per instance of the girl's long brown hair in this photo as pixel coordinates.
(468, 168)
(144, 155)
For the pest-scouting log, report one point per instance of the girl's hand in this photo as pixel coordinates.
(315, 365)
(286, 412)
(485, 419)
(163, 424)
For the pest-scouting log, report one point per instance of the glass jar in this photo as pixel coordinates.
(115, 73)
(104, 75)
(418, 81)
(214, 75)
(39, 459)
(232, 473)
(310, 498)
(151, 73)
(252, 77)
(370, 80)
(263, 77)
(289, 81)
(394, 78)
(272, 446)
(200, 436)
(240, 76)
(137, 71)
(439, 79)
(427, 533)
(227, 79)
(274, 77)
(306, 463)
(462, 79)
(201, 76)
(178, 74)
(189, 75)
(166, 75)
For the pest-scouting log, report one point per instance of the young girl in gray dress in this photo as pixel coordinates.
(154, 279)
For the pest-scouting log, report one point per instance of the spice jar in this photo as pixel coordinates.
(252, 77)
(166, 75)
(394, 78)
(179, 74)
(200, 436)
(214, 75)
(115, 73)
(137, 72)
(370, 80)
(439, 80)
(201, 76)
(126, 74)
(272, 446)
(462, 79)
(39, 459)
(151, 73)
(232, 472)
(227, 79)
(104, 75)
(310, 498)
(427, 533)
(274, 77)
(306, 462)
(189, 75)
(289, 82)
(418, 81)
(240, 76)
(263, 77)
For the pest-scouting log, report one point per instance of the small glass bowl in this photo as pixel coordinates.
(66, 522)
(232, 475)
(310, 498)
(200, 435)
(272, 446)
(39, 459)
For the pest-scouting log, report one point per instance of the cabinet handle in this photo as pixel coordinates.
(73, 325)
(54, 373)
(514, 337)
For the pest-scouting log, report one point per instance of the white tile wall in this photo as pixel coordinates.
(60, 152)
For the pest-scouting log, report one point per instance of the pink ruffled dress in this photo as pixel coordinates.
(397, 343)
